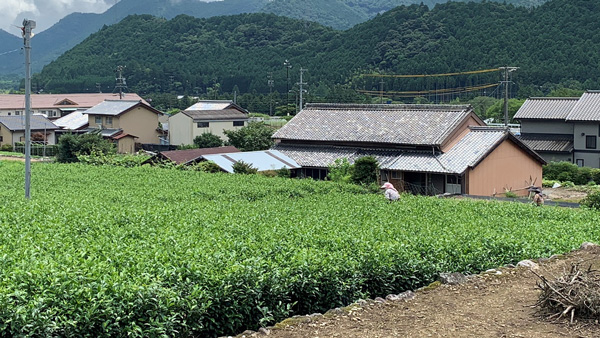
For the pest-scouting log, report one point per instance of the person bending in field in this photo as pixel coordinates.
(390, 192)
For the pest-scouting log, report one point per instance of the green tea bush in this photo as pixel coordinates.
(592, 200)
(152, 252)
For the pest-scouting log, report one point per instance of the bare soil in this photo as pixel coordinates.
(488, 305)
(564, 194)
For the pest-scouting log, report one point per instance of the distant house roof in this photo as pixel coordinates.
(468, 152)
(67, 101)
(587, 108)
(191, 155)
(262, 160)
(117, 107)
(208, 115)
(548, 108)
(548, 143)
(379, 124)
(211, 105)
(73, 121)
(17, 123)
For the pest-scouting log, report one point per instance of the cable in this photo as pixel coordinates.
(425, 92)
(12, 51)
(433, 75)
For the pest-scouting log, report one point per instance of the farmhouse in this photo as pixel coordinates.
(12, 129)
(206, 117)
(56, 105)
(425, 149)
(563, 129)
(123, 121)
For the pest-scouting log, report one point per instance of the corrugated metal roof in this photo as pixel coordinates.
(587, 108)
(73, 121)
(188, 155)
(552, 108)
(262, 160)
(391, 124)
(548, 143)
(211, 105)
(104, 132)
(207, 115)
(111, 108)
(17, 123)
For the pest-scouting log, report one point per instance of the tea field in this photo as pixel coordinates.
(147, 252)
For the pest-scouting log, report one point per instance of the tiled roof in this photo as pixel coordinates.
(384, 124)
(262, 160)
(46, 101)
(113, 107)
(587, 108)
(17, 123)
(188, 155)
(104, 132)
(72, 121)
(225, 114)
(548, 143)
(548, 108)
(471, 149)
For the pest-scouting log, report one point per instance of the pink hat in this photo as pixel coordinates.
(388, 185)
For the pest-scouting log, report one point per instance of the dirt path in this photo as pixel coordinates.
(488, 305)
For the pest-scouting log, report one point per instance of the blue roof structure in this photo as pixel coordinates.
(262, 160)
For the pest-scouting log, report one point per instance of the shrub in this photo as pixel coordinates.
(340, 171)
(209, 167)
(592, 200)
(591, 184)
(562, 171)
(549, 183)
(365, 170)
(208, 140)
(510, 194)
(284, 173)
(241, 167)
(582, 176)
(6, 147)
(70, 146)
(568, 184)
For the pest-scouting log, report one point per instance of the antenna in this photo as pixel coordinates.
(120, 82)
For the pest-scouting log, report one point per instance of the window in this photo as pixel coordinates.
(452, 179)
(580, 162)
(384, 175)
(18, 112)
(238, 123)
(202, 124)
(590, 142)
(98, 119)
(108, 120)
(9, 114)
(396, 175)
(1, 138)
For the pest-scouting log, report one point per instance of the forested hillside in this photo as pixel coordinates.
(555, 43)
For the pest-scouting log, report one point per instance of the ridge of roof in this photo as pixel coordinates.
(443, 107)
(553, 98)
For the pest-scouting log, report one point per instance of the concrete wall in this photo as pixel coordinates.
(581, 131)
(215, 128)
(546, 127)
(553, 157)
(180, 129)
(507, 166)
(126, 145)
(140, 122)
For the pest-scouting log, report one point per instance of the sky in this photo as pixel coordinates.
(45, 12)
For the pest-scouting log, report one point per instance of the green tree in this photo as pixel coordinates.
(241, 167)
(254, 136)
(340, 171)
(481, 104)
(71, 145)
(497, 110)
(365, 170)
(208, 140)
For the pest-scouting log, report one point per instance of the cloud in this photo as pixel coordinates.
(45, 12)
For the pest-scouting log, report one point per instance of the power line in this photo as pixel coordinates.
(424, 92)
(432, 75)
(12, 51)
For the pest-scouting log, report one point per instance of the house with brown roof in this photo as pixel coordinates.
(211, 116)
(563, 128)
(56, 105)
(189, 156)
(12, 129)
(425, 149)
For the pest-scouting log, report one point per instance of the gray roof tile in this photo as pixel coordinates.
(587, 108)
(385, 124)
(37, 122)
(548, 143)
(207, 115)
(547, 108)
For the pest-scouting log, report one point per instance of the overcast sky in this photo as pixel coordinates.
(45, 12)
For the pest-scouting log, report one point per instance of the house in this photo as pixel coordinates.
(12, 129)
(189, 156)
(206, 117)
(563, 129)
(56, 105)
(123, 117)
(74, 123)
(263, 160)
(425, 149)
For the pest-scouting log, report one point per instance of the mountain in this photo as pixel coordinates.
(339, 14)
(552, 43)
(11, 61)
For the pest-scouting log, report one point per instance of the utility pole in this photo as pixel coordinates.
(381, 92)
(28, 26)
(506, 86)
(301, 83)
(270, 82)
(99, 86)
(120, 82)
(287, 66)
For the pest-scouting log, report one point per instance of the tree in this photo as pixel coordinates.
(365, 170)
(340, 171)
(208, 140)
(497, 110)
(254, 136)
(70, 146)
